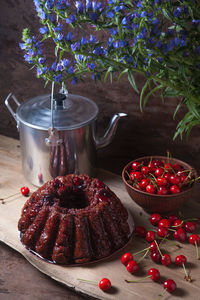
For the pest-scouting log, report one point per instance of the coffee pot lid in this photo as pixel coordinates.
(69, 112)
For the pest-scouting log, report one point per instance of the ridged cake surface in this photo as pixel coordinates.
(74, 219)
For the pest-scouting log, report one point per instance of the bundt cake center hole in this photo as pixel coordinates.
(74, 200)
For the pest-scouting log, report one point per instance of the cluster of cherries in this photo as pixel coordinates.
(165, 227)
(159, 177)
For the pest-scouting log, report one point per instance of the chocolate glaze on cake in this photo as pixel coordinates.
(74, 219)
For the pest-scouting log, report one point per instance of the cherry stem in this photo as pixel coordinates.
(143, 256)
(177, 245)
(178, 224)
(163, 293)
(158, 248)
(186, 273)
(10, 196)
(170, 229)
(197, 250)
(89, 281)
(130, 281)
(140, 251)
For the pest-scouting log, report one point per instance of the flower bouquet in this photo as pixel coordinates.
(156, 38)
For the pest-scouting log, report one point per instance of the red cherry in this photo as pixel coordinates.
(157, 163)
(126, 258)
(104, 284)
(168, 167)
(25, 191)
(164, 223)
(143, 183)
(175, 179)
(167, 175)
(166, 259)
(132, 267)
(136, 175)
(150, 189)
(162, 232)
(153, 247)
(152, 166)
(190, 226)
(172, 218)
(145, 170)
(155, 218)
(154, 274)
(136, 165)
(194, 239)
(161, 181)
(180, 235)
(177, 167)
(174, 189)
(140, 231)
(159, 172)
(155, 256)
(178, 223)
(150, 236)
(180, 260)
(169, 285)
(163, 190)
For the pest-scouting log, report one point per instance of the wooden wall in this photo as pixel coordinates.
(147, 133)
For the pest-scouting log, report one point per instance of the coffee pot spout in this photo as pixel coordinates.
(110, 132)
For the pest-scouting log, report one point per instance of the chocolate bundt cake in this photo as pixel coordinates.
(73, 219)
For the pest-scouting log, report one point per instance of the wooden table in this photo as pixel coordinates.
(19, 280)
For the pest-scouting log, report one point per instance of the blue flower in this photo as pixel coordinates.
(71, 20)
(22, 46)
(195, 22)
(58, 77)
(110, 15)
(44, 30)
(49, 4)
(79, 6)
(41, 60)
(59, 36)
(69, 36)
(91, 66)
(71, 70)
(58, 28)
(74, 80)
(65, 62)
(93, 16)
(75, 46)
(88, 4)
(177, 12)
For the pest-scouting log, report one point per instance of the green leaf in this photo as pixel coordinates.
(122, 73)
(169, 92)
(132, 80)
(178, 107)
(110, 69)
(193, 108)
(151, 92)
(142, 94)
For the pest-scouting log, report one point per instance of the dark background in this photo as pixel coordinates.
(147, 133)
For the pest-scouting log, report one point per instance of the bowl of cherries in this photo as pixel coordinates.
(159, 183)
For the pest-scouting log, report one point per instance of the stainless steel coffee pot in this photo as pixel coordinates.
(61, 140)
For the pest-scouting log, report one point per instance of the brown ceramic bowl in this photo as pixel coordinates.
(154, 202)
